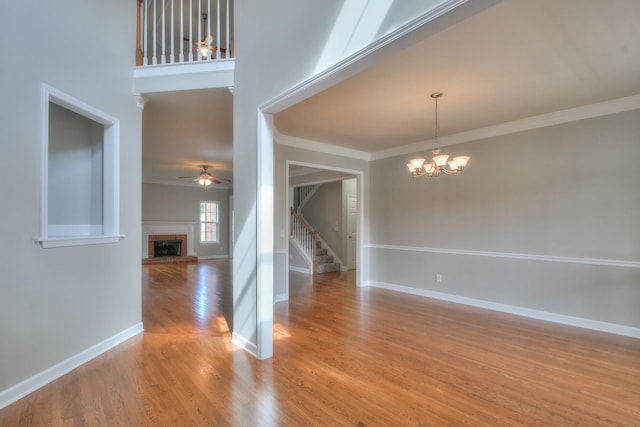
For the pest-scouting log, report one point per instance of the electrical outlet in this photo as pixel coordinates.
(438, 278)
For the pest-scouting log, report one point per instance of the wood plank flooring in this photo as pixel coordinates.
(343, 356)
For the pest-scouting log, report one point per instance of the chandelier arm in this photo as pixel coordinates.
(450, 172)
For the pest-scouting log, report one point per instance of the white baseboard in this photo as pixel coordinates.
(205, 257)
(43, 378)
(245, 344)
(596, 325)
(300, 269)
(281, 297)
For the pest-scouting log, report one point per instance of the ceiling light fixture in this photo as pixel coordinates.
(439, 163)
(205, 179)
(204, 47)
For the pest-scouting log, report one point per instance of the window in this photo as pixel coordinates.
(208, 222)
(80, 180)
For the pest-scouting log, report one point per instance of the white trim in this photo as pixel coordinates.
(43, 378)
(280, 298)
(384, 46)
(300, 269)
(206, 257)
(321, 147)
(215, 242)
(544, 120)
(596, 325)
(161, 70)
(141, 100)
(110, 232)
(60, 242)
(519, 256)
(244, 344)
(558, 117)
(264, 235)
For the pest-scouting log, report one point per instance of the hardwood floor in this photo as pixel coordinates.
(343, 356)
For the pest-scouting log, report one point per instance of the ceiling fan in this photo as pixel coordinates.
(205, 46)
(205, 179)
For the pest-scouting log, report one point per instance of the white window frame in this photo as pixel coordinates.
(111, 171)
(217, 223)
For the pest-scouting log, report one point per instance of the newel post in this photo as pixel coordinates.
(139, 54)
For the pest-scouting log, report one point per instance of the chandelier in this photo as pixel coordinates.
(440, 162)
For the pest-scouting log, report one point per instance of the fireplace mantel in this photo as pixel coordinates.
(150, 228)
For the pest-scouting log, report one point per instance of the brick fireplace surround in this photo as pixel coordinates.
(169, 259)
(168, 230)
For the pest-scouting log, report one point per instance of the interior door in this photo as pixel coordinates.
(352, 207)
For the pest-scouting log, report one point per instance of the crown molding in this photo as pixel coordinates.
(619, 105)
(321, 147)
(599, 109)
(160, 181)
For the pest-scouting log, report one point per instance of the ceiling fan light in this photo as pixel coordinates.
(204, 52)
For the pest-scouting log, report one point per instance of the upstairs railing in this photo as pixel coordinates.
(304, 236)
(183, 31)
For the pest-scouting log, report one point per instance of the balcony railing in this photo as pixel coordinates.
(183, 31)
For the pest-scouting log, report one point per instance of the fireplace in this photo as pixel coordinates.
(164, 248)
(167, 248)
(168, 242)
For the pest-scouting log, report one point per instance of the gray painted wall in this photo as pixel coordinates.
(75, 168)
(569, 190)
(58, 302)
(182, 203)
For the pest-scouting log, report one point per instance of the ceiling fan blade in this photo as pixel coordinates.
(220, 179)
(188, 177)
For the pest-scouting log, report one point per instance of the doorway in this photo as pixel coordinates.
(352, 217)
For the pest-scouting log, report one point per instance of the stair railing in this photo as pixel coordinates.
(304, 236)
(303, 194)
(178, 31)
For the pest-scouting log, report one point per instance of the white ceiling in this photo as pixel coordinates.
(518, 59)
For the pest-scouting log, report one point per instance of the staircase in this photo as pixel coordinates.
(310, 246)
(324, 263)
